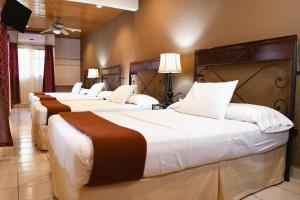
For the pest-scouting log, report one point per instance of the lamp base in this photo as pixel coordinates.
(169, 90)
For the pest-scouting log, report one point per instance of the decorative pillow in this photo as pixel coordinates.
(208, 99)
(95, 89)
(77, 87)
(104, 94)
(267, 119)
(122, 94)
(142, 99)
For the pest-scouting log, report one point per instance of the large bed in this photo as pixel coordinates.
(111, 76)
(39, 112)
(189, 157)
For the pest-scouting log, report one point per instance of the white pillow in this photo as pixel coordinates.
(142, 100)
(95, 89)
(175, 105)
(122, 94)
(104, 94)
(84, 91)
(77, 87)
(267, 119)
(208, 99)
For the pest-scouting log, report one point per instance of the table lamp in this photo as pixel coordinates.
(93, 74)
(169, 64)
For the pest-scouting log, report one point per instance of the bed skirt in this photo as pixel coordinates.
(225, 180)
(40, 135)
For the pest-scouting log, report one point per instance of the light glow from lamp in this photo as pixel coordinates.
(93, 73)
(170, 63)
(56, 31)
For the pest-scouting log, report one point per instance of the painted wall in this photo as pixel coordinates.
(67, 62)
(186, 25)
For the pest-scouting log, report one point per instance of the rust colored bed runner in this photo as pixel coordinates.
(45, 97)
(38, 93)
(119, 152)
(54, 107)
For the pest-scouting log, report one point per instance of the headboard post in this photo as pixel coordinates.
(261, 51)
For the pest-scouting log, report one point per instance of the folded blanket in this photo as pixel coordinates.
(54, 107)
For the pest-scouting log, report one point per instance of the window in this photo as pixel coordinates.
(31, 70)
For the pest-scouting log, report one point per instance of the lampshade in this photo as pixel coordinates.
(93, 73)
(170, 63)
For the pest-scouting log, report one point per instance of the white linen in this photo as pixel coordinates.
(95, 89)
(267, 119)
(104, 94)
(208, 99)
(77, 87)
(142, 99)
(122, 93)
(175, 141)
(39, 112)
(84, 91)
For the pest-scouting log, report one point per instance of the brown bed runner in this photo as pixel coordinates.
(38, 93)
(54, 107)
(119, 152)
(45, 97)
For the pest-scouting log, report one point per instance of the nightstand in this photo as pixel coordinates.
(158, 106)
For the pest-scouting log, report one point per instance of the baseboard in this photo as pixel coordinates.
(295, 172)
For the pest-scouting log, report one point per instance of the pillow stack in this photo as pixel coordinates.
(95, 89)
(122, 94)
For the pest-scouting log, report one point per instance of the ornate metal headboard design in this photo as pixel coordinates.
(266, 70)
(111, 76)
(145, 75)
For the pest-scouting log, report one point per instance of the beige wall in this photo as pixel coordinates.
(186, 25)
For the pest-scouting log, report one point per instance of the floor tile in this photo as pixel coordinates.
(293, 186)
(8, 170)
(251, 197)
(9, 194)
(33, 178)
(8, 182)
(8, 160)
(36, 192)
(33, 158)
(276, 193)
(33, 166)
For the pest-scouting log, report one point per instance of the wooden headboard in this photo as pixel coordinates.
(111, 76)
(145, 75)
(266, 70)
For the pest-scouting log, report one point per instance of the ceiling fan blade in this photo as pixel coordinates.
(45, 31)
(73, 29)
(65, 32)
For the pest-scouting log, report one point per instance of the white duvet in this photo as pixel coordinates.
(175, 141)
(39, 112)
(65, 96)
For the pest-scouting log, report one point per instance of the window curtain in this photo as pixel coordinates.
(31, 70)
(14, 73)
(5, 135)
(49, 80)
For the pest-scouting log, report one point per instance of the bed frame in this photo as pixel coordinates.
(145, 75)
(267, 53)
(111, 76)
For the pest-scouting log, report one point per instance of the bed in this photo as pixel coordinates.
(39, 112)
(201, 158)
(111, 76)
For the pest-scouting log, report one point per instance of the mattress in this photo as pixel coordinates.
(175, 141)
(39, 112)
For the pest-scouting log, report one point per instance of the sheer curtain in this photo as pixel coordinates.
(31, 70)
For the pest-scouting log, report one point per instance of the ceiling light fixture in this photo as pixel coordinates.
(56, 31)
(99, 6)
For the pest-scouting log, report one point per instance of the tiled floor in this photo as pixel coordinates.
(25, 172)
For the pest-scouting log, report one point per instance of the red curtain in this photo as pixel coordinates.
(4, 73)
(14, 73)
(49, 80)
(5, 135)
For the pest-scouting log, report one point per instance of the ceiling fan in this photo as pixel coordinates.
(57, 28)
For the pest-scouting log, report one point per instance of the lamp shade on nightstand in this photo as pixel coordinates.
(170, 63)
(93, 73)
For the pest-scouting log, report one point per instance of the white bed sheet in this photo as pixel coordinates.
(39, 112)
(175, 141)
(65, 96)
